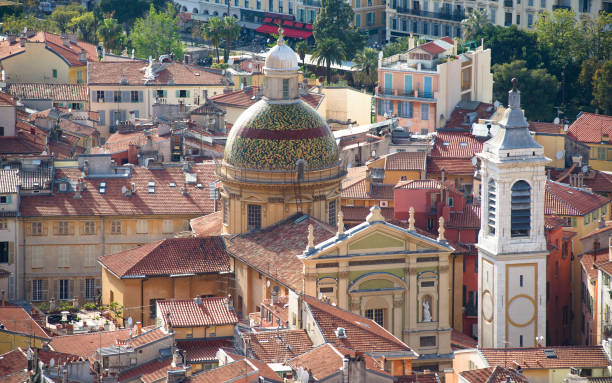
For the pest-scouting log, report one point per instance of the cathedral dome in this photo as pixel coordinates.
(281, 58)
(274, 136)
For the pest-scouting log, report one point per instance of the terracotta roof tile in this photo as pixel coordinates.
(456, 145)
(213, 311)
(112, 73)
(591, 262)
(362, 334)
(15, 145)
(113, 202)
(277, 346)
(353, 175)
(419, 184)
(598, 181)
(207, 225)
(13, 361)
(419, 377)
(43, 91)
(567, 356)
(240, 371)
(85, 345)
(9, 181)
(359, 213)
(247, 97)
(147, 337)
(432, 48)
(120, 142)
(170, 256)
(54, 43)
(564, 200)
(545, 128)
(495, 374)
(460, 340)
(327, 359)
(359, 190)
(552, 222)
(459, 118)
(454, 166)
(153, 371)
(590, 128)
(20, 376)
(202, 350)
(273, 250)
(406, 161)
(16, 319)
(468, 218)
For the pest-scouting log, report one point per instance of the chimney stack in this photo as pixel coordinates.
(83, 55)
(138, 328)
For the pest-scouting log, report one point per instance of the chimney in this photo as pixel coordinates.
(83, 55)
(138, 328)
(66, 41)
(411, 41)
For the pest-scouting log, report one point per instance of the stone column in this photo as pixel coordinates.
(343, 282)
(398, 319)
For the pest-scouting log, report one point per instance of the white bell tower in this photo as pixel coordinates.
(511, 243)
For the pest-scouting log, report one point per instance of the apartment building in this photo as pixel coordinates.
(434, 19)
(422, 86)
(118, 90)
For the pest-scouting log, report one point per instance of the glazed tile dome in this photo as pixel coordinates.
(274, 136)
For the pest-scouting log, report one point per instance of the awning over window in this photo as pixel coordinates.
(289, 32)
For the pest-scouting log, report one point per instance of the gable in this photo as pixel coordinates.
(377, 240)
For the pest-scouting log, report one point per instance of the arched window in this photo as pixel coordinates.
(195, 10)
(492, 204)
(521, 209)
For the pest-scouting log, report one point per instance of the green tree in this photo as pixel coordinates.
(597, 35)
(63, 15)
(111, 35)
(585, 80)
(476, 22)
(559, 33)
(602, 88)
(231, 32)
(125, 12)
(302, 50)
(335, 21)
(85, 25)
(401, 45)
(510, 43)
(12, 24)
(366, 62)
(538, 88)
(157, 34)
(327, 52)
(213, 32)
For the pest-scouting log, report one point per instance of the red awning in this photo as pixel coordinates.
(299, 25)
(289, 32)
(288, 23)
(308, 26)
(267, 20)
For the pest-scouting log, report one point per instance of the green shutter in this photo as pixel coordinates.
(165, 94)
(178, 93)
(187, 95)
(9, 199)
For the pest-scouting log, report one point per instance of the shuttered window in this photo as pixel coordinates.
(521, 209)
(37, 257)
(491, 201)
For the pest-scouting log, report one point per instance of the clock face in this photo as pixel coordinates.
(487, 306)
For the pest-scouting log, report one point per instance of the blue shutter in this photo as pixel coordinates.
(108, 96)
(102, 117)
(407, 84)
(125, 96)
(93, 96)
(165, 94)
(140, 96)
(428, 91)
(9, 199)
(154, 94)
(187, 94)
(178, 93)
(136, 113)
(379, 108)
(410, 110)
(123, 115)
(388, 83)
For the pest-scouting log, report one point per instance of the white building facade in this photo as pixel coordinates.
(511, 243)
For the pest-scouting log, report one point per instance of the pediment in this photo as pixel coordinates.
(377, 241)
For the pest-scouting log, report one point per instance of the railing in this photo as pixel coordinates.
(415, 93)
(508, 3)
(433, 15)
(561, 7)
(279, 177)
(312, 3)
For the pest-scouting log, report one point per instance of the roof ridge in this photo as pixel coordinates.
(146, 255)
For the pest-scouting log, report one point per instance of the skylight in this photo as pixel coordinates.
(172, 185)
(102, 187)
(446, 143)
(151, 187)
(550, 354)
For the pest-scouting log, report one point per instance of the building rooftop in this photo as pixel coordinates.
(212, 311)
(277, 346)
(247, 97)
(591, 128)
(495, 374)
(468, 218)
(419, 184)
(592, 261)
(240, 371)
(359, 213)
(43, 91)
(460, 341)
(456, 145)
(406, 161)
(564, 200)
(85, 345)
(67, 48)
(547, 357)
(451, 166)
(360, 190)
(466, 113)
(150, 372)
(199, 350)
(207, 225)
(545, 128)
(17, 320)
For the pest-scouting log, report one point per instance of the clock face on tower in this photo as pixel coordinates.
(487, 306)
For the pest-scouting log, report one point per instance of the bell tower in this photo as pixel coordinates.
(511, 243)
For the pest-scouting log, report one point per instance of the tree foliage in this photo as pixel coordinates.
(327, 52)
(335, 21)
(302, 49)
(366, 62)
(230, 31)
(157, 34)
(111, 35)
(16, 25)
(63, 15)
(476, 22)
(538, 88)
(213, 32)
(602, 88)
(85, 25)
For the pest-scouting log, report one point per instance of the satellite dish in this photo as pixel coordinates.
(373, 153)
(250, 65)
(474, 161)
(556, 121)
(129, 321)
(52, 362)
(268, 283)
(565, 127)
(123, 189)
(559, 154)
(305, 377)
(585, 169)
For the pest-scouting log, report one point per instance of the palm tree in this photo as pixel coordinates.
(475, 24)
(366, 62)
(111, 34)
(212, 32)
(231, 32)
(302, 49)
(328, 51)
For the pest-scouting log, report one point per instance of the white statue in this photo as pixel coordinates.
(426, 312)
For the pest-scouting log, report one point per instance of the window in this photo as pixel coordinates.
(285, 88)
(63, 228)
(54, 73)
(370, 18)
(90, 228)
(530, 3)
(64, 289)
(161, 93)
(76, 106)
(117, 96)
(3, 224)
(141, 226)
(601, 154)
(183, 93)
(357, 3)
(529, 20)
(518, 19)
(37, 228)
(63, 256)
(521, 280)
(1, 131)
(520, 341)
(253, 217)
(79, 76)
(508, 19)
(358, 20)
(377, 315)
(4, 252)
(332, 213)
(271, 5)
(99, 96)
(542, 3)
(116, 227)
(424, 112)
(493, 15)
(89, 252)
(167, 226)
(225, 211)
(258, 4)
(406, 109)
(521, 209)
(4, 199)
(38, 290)
(134, 96)
(451, 202)
(90, 289)
(37, 257)
(427, 341)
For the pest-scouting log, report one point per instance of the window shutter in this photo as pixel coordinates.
(28, 228)
(9, 199)
(165, 94)
(56, 290)
(71, 289)
(11, 250)
(136, 113)
(188, 92)
(55, 228)
(140, 96)
(178, 93)
(102, 117)
(82, 291)
(29, 290)
(93, 96)
(71, 228)
(154, 93)
(125, 96)
(123, 115)
(108, 96)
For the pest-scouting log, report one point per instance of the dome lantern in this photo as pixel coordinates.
(281, 72)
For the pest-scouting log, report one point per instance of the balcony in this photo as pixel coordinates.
(312, 3)
(432, 15)
(567, 7)
(508, 3)
(415, 94)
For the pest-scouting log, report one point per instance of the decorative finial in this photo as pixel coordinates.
(441, 230)
(310, 237)
(514, 96)
(281, 40)
(411, 219)
(375, 215)
(514, 82)
(340, 223)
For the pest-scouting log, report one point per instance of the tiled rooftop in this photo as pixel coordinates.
(240, 371)
(468, 218)
(213, 311)
(360, 190)
(171, 256)
(566, 357)
(454, 166)
(545, 128)
(42, 91)
(419, 184)
(495, 374)
(113, 202)
(85, 345)
(207, 225)
(591, 261)
(359, 213)
(16, 319)
(249, 96)
(461, 341)
(53, 42)
(564, 200)
(273, 250)
(591, 128)
(153, 371)
(456, 145)
(9, 181)
(277, 346)
(460, 116)
(199, 350)
(120, 142)
(406, 161)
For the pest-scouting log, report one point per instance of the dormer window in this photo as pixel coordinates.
(521, 209)
(63, 187)
(102, 189)
(151, 187)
